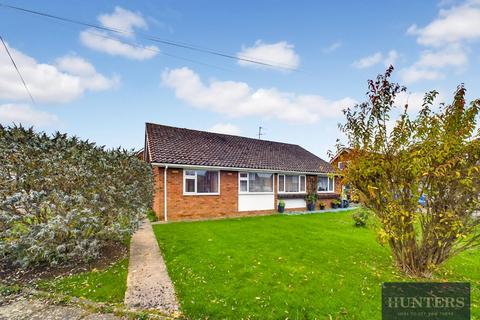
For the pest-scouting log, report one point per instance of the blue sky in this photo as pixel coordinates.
(94, 85)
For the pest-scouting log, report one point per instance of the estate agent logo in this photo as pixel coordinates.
(413, 300)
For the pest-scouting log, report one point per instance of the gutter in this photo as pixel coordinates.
(234, 168)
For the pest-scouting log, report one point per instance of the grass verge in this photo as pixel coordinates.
(107, 285)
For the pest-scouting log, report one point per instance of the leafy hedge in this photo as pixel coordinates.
(62, 198)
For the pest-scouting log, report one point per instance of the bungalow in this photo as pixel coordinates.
(200, 174)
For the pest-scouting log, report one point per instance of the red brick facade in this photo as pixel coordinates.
(195, 207)
(344, 157)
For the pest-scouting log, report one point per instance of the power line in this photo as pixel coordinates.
(135, 45)
(16, 68)
(152, 38)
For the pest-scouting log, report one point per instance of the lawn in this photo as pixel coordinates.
(107, 285)
(298, 267)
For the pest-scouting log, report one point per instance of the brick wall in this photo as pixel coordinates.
(197, 207)
(187, 207)
(158, 191)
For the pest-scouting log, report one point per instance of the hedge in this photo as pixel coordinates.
(62, 198)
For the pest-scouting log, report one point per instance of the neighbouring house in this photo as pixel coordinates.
(139, 154)
(340, 162)
(341, 158)
(202, 174)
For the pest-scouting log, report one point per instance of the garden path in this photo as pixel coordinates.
(148, 283)
(36, 309)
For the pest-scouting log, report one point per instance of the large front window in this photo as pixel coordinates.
(291, 183)
(325, 184)
(255, 182)
(201, 182)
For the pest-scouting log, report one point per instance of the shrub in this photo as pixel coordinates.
(62, 199)
(397, 158)
(151, 215)
(360, 217)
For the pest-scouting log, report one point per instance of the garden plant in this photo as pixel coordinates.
(62, 199)
(434, 155)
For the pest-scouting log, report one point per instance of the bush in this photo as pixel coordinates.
(432, 154)
(360, 217)
(151, 215)
(62, 199)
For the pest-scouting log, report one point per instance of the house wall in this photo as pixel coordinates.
(185, 207)
(344, 157)
(226, 204)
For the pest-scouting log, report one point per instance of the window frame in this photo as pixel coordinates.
(285, 184)
(247, 179)
(328, 183)
(195, 193)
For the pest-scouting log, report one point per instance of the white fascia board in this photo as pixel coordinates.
(172, 165)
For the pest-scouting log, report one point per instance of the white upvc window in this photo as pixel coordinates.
(255, 182)
(325, 184)
(290, 183)
(201, 182)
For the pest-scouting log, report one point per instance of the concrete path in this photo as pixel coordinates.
(148, 283)
(34, 309)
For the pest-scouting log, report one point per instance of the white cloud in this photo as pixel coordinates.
(369, 61)
(238, 99)
(447, 36)
(431, 62)
(414, 74)
(75, 65)
(103, 42)
(452, 55)
(453, 25)
(65, 81)
(226, 128)
(415, 100)
(108, 42)
(281, 54)
(389, 59)
(26, 115)
(333, 47)
(122, 19)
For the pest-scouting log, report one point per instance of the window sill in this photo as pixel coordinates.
(201, 194)
(255, 193)
(291, 195)
(300, 192)
(328, 195)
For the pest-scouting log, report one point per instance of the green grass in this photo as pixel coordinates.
(106, 285)
(297, 267)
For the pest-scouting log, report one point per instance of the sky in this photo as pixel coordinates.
(103, 86)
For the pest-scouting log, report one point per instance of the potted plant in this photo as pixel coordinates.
(336, 204)
(322, 205)
(339, 203)
(281, 206)
(311, 200)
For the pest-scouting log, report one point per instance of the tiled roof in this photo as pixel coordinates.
(181, 146)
